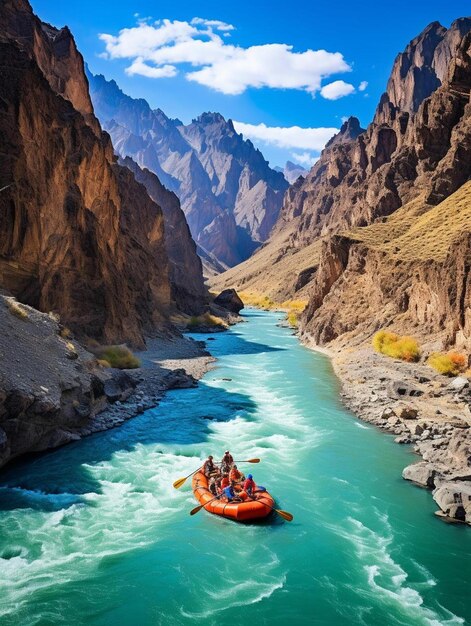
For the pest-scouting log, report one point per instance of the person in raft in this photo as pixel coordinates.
(213, 485)
(224, 482)
(249, 485)
(209, 467)
(230, 494)
(235, 475)
(226, 462)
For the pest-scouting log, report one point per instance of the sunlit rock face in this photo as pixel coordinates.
(79, 235)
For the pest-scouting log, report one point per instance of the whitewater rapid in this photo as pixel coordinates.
(94, 533)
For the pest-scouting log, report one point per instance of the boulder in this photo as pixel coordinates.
(459, 383)
(454, 499)
(408, 413)
(422, 473)
(230, 300)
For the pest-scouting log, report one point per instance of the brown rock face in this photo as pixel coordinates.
(78, 234)
(229, 299)
(412, 271)
(185, 271)
(378, 230)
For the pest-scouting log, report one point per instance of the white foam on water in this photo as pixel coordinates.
(360, 425)
(387, 580)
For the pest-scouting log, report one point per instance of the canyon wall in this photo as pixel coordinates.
(78, 234)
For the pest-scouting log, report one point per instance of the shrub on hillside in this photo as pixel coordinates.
(450, 364)
(120, 357)
(17, 310)
(396, 346)
(207, 319)
(292, 318)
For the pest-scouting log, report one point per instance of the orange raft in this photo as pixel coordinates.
(239, 511)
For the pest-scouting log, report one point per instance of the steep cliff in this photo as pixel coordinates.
(229, 194)
(185, 270)
(378, 232)
(78, 234)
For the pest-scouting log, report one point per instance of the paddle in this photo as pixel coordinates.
(284, 514)
(178, 483)
(198, 508)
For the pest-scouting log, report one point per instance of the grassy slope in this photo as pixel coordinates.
(417, 231)
(271, 271)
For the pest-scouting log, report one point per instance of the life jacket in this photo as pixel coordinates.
(235, 474)
(224, 482)
(249, 485)
(229, 492)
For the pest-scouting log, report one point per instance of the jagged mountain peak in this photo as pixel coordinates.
(420, 69)
(349, 130)
(210, 166)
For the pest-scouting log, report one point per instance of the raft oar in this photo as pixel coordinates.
(178, 483)
(284, 514)
(201, 506)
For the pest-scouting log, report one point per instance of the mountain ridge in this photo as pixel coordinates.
(416, 149)
(226, 188)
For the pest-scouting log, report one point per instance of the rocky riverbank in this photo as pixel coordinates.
(176, 363)
(422, 408)
(53, 391)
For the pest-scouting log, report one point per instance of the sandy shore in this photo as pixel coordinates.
(175, 363)
(422, 408)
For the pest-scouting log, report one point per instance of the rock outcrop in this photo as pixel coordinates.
(185, 270)
(78, 234)
(50, 387)
(229, 194)
(229, 299)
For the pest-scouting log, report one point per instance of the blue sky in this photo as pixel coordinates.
(239, 72)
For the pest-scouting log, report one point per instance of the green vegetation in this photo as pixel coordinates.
(450, 364)
(396, 346)
(292, 319)
(17, 310)
(207, 319)
(120, 357)
(65, 333)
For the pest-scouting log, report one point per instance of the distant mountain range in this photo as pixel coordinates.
(228, 192)
(291, 171)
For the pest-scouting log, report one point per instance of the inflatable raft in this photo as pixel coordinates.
(251, 509)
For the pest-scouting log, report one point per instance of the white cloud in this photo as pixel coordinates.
(363, 85)
(216, 24)
(304, 158)
(155, 51)
(287, 136)
(139, 67)
(337, 89)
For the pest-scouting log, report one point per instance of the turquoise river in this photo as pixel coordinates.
(94, 533)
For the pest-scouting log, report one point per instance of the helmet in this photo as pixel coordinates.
(250, 476)
(210, 456)
(226, 452)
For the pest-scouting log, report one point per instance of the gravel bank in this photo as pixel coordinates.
(176, 363)
(422, 408)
